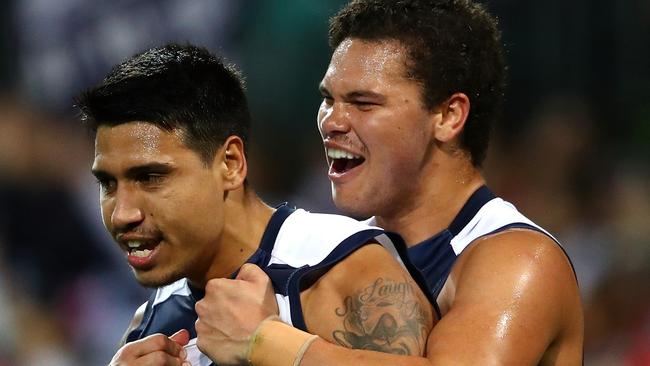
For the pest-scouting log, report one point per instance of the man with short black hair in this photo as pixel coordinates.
(171, 127)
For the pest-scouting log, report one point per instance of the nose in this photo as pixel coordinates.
(126, 212)
(333, 119)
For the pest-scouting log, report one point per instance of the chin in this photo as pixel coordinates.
(352, 208)
(155, 279)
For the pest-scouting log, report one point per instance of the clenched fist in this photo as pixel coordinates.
(231, 311)
(154, 350)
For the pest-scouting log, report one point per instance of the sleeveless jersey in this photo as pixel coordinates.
(296, 249)
(483, 214)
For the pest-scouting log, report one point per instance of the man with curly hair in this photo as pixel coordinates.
(409, 96)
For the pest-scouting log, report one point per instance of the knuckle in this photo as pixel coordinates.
(214, 284)
(120, 355)
(159, 341)
(127, 348)
(247, 267)
(256, 272)
(201, 308)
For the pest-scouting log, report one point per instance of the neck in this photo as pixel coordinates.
(245, 219)
(447, 185)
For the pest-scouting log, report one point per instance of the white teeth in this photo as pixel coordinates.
(141, 253)
(133, 244)
(340, 154)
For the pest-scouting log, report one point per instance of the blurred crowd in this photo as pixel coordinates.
(572, 152)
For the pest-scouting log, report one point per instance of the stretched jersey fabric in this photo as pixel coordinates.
(483, 214)
(296, 249)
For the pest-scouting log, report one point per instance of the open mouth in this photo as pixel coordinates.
(141, 249)
(343, 161)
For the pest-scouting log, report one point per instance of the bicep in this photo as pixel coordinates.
(368, 301)
(510, 296)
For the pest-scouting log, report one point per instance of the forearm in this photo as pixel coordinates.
(270, 349)
(323, 353)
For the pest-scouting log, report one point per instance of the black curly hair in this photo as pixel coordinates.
(453, 46)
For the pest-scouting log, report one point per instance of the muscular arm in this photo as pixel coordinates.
(368, 301)
(366, 310)
(515, 302)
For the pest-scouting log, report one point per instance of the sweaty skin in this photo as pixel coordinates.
(367, 109)
(534, 288)
(512, 297)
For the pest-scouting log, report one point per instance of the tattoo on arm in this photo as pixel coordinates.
(385, 316)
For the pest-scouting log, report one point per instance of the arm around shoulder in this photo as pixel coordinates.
(368, 301)
(366, 310)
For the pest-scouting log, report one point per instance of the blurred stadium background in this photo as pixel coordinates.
(572, 151)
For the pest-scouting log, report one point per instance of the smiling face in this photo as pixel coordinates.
(159, 201)
(376, 131)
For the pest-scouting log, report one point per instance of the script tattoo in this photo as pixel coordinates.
(385, 317)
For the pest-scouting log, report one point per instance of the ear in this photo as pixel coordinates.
(454, 112)
(232, 163)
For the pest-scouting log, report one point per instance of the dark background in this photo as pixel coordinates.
(572, 151)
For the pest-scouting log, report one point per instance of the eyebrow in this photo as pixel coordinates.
(355, 94)
(138, 170)
(364, 94)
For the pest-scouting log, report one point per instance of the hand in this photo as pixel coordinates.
(231, 311)
(154, 350)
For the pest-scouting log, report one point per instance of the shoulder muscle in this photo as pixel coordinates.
(514, 293)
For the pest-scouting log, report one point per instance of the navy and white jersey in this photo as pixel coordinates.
(483, 214)
(297, 248)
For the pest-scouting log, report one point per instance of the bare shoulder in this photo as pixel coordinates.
(135, 322)
(517, 265)
(521, 254)
(516, 293)
(368, 301)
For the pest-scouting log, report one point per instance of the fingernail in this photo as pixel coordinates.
(183, 353)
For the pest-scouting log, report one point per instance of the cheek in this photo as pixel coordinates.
(323, 112)
(398, 153)
(106, 211)
(406, 134)
(194, 213)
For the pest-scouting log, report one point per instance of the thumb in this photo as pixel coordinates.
(182, 337)
(252, 273)
(255, 275)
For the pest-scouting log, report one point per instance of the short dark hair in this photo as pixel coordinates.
(175, 87)
(453, 45)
